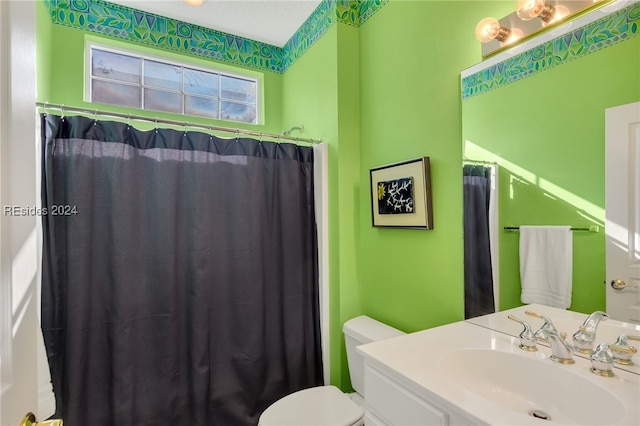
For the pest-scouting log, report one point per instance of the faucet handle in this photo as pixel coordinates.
(527, 337)
(546, 328)
(624, 357)
(602, 362)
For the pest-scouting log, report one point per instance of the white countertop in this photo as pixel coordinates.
(421, 362)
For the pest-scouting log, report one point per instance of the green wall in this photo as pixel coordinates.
(411, 55)
(546, 132)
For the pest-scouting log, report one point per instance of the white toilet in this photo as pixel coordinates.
(327, 405)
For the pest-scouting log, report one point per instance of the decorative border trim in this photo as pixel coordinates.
(318, 23)
(139, 27)
(109, 19)
(612, 29)
(368, 8)
(113, 20)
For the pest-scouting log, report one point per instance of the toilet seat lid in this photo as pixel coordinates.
(319, 406)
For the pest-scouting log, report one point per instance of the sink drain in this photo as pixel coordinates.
(539, 414)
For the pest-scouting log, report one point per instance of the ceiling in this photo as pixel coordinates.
(269, 21)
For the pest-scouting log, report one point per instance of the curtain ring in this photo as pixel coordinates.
(95, 117)
(128, 121)
(62, 112)
(237, 135)
(185, 128)
(155, 120)
(45, 108)
(210, 132)
(260, 136)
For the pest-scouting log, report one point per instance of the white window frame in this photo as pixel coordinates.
(88, 78)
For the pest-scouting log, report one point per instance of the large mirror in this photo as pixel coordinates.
(540, 130)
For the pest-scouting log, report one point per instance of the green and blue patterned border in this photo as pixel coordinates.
(105, 18)
(367, 8)
(600, 34)
(350, 12)
(109, 19)
(320, 21)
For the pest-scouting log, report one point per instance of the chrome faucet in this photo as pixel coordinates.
(561, 350)
(624, 357)
(527, 338)
(547, 328)
(584, 338)
(602, 362)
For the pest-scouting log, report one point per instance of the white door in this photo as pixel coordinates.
(18, 241)
(622, 169)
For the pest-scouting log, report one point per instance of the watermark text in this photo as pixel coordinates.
(55, 210)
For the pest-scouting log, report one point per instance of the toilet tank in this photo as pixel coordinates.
(358, 331)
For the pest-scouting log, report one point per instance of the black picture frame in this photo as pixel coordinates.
(401, 195)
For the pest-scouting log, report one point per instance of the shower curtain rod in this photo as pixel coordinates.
(64, 108)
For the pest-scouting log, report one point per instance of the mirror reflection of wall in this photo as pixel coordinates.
(544, 128)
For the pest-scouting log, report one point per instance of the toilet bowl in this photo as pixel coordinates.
(327, 405)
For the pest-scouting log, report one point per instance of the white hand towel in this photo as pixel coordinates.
(546, 262)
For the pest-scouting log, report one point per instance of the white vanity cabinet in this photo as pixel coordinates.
(390, 402)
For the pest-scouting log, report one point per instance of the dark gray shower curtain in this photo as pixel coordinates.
(179, 274)
(478, 276)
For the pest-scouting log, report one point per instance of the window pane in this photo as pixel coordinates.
(200, 82)
(162, 75)
(159, 100)
(107, 92)
(133, 80)
(237, 89)
(196, 105)
(238, 112)
(115, 66)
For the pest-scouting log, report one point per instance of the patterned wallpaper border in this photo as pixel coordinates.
(109, 19)
(608, 31)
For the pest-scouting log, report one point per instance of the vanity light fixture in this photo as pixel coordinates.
(498, 34)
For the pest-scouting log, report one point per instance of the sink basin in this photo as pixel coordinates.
(534, 386)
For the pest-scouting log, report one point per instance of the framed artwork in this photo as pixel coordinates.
(401, 195)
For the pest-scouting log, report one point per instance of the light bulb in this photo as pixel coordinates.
(514, 35)
(529, 9)
(559, 14)
(193, 2)
(489, 29)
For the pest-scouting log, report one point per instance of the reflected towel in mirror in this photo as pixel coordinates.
(546, 257)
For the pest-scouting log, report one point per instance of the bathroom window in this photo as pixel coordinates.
(128, 79)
